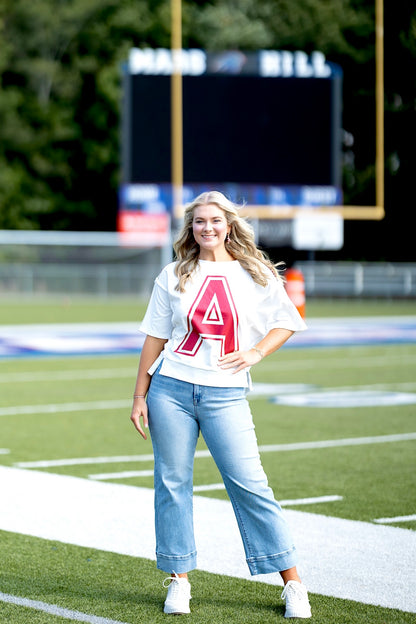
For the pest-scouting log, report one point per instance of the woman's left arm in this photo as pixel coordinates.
(269, 344)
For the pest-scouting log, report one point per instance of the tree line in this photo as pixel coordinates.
(60, 93)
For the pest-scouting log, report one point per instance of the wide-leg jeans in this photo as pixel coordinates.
(178, 411)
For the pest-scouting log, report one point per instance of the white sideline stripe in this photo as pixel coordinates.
(264, 448)
(395, 519)
(55, 610)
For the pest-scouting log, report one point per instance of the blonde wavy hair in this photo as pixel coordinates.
(240, 243)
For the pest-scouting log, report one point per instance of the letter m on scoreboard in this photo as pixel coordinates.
(212, 316)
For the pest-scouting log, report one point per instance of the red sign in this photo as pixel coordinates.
(142, 229)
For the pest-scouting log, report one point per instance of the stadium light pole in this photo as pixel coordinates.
(176, 109)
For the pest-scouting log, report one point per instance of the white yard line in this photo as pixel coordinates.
(67, 375)
(333, 552)
(52, 609)
(54, 408)
(128, 474)
(401, 385)
(210, 487)
(312, 500)
(79, 406)
(118, 373)
(289, 502)
(305, 446)
(411, 518)
(80, 461)
(264, 448)
(259, 391)
(213, 487)
(342, 362)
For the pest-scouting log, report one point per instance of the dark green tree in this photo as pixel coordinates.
(59, 112)
(60, 93)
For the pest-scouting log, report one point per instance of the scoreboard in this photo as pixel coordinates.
(264, 127)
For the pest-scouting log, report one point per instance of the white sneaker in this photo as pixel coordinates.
(297, 603)
(179, 595)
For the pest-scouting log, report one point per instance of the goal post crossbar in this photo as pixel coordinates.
(290, 212)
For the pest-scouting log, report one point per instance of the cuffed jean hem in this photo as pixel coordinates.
(179, 564)
(272, 563)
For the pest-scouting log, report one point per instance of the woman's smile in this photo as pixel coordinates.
(210, 229)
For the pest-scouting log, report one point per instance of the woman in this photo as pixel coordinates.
(214, 313)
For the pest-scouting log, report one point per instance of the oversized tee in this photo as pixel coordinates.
(222, 310)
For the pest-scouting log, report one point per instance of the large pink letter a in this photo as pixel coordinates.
(212, 316)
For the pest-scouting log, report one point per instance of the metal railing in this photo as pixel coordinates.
(91, 279)
(359, 279)
(322, 279)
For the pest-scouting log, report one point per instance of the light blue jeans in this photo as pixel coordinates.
(178, 411)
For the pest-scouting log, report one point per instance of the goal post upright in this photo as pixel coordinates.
(355, 213)
(176, 109)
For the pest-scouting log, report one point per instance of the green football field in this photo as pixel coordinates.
(371, 480)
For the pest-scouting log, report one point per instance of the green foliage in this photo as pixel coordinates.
(60, 91)
(59, 112)
(282, 24)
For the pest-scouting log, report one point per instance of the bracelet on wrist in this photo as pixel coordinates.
(259, 351)
(139, 396)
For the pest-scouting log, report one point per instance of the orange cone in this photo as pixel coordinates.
(295, 288)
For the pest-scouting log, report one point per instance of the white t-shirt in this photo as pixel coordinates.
(222, 310)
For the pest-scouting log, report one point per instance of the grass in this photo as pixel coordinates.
(130, 590)
(375, 480)
(71, 309)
